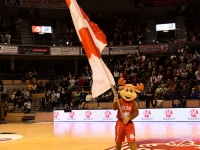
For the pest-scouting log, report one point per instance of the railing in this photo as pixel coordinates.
(22, 76)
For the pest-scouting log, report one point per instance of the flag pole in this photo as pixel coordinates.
(113, 89)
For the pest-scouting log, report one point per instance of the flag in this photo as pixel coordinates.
(93, 41)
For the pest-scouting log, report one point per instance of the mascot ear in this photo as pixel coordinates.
(121, 87)
(122, 82)
(139, 87)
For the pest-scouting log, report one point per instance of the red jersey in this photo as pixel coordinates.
(127, 108)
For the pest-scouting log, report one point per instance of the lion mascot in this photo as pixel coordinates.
(129, 108)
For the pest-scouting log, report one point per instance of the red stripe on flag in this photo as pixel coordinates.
(98, 32)
(88, 43)
(68, 2)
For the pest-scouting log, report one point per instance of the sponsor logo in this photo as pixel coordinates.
(132, 136)
(107, 115)
(88, 115)
(56, 115)
(194, 113)
(164, 144)
(168, 115)
(71, 116)
(9, 137)
(147, 115)
(128, 108)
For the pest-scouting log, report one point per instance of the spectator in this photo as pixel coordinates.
(5, 108)
(177, 104)
(7, 38)
(72, 82)
(198, 92)
(116, 75)
(83, 95)
(54, 100)
(26, 95)
(27, 105)
(193, 94)
(89, 97)
(149, 98)
(197, 74)
(184, 93)
(43, 105)
(62, 97)
(173, 94)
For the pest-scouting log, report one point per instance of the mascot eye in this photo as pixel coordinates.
(127, 90)
(131, 91)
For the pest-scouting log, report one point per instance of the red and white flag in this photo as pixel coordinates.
(93, 41)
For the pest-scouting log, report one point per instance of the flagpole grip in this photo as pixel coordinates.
(119, 106)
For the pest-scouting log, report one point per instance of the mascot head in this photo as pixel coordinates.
(128, 91)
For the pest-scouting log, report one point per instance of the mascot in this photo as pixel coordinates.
(129, 109)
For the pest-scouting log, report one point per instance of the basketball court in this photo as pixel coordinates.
(98, 136)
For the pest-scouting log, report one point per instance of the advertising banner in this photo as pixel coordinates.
(64, 51)
(30, 50)
(163, 48)
(104, 52)
(41, 29)
(123, 50)
(8, 50)
(59, 4)
(146, 115)
(152, 3)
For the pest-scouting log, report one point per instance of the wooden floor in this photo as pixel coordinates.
(98, 136)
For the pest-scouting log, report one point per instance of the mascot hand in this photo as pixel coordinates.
(126, 120)
(116, 99)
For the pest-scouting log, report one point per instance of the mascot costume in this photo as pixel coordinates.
(127, 112)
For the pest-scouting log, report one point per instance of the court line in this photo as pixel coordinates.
(6, 144)
(186, 139)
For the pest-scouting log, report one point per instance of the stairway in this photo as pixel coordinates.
(57, 30)
(150, 30)
(25, 29)
(181, 29)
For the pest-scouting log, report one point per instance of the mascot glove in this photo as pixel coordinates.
(126, 120)
(116, 100)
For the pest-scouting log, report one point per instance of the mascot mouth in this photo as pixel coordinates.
(127, 97)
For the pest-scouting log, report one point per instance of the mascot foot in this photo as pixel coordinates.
(118, 146)
(133, 146)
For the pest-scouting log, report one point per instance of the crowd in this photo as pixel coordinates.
(118, 28)
(175, 80)
(8, 29)
(192, 22)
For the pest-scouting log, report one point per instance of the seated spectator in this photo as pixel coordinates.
(164, 95)
(159, 89)
(89, 97)
(83, 95)
(193, 94)
(159, 78)
(177, 104)
(27, 106)
(163, 85)
(197, 74)
(167, 76)
(135, 79)
(198, 92)
(173, 94)
(184, 74)
(158, 99)
(109, 96)
(26, 95)
(184, 93)
(34, 86)
(153, 79)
